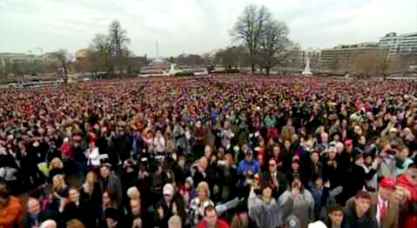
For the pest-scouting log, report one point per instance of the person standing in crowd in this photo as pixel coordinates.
(34, 215)
(211, 219)
(264, 210)
(11, 210)
(298, 201)
(90, 195)
(248, 167)
(406, 194)
(274, 176)
(108, 181)
(198, 203)
(75, 209)
(335, 216)
(387, 209)
(358, 212)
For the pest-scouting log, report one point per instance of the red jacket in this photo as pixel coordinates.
(408, 220)
(220, 224)
(11, 214)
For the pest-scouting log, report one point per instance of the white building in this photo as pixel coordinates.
(400, 44)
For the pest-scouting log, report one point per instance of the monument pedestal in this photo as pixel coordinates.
(307, 71)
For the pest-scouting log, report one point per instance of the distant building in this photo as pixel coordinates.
(400, 44)
(340, 59)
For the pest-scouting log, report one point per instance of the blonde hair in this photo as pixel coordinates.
(58, 182)
(133, 192)
(94, 176)
(174, 221)
(56, 163)
(75, 223)
(203, 186)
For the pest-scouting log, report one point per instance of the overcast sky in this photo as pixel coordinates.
(193, 26)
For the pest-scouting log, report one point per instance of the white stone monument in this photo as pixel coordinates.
(307, 70)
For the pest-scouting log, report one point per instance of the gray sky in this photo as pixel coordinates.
(193, 26)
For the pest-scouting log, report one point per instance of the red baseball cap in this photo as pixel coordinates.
(387, 183)
(348, 142)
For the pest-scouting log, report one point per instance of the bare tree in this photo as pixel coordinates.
(63, 59)
(384, 62)
(118, 41)
(232, 57)
(100, 53)
(273, 45)
(249, 29)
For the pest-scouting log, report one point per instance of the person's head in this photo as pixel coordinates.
(105, 170)
(296, 183)
(75, 223)
(411, 173)
(359, 159)
(287, 144)
(203, 163)
(220, 152)
(276, 150)
(74, 195)
(56, 163)
(107, 199)
(91, 177)
(295, 165)
(349, 145)
(135, 207)
(324, 137)
(267, 193)
(58, 181)
(112, 217)
(339, 147)
(249, 155)
(357, 129)
(229, 159)
(4, 194)
(362, 203)
(336, 215)
(386, 188)
(48, 224)
(393, 132)
(362, 140)
(133, 193)
(315, 156)
(368, 159)
(208, 151)
(188, 184)
(203, 190)
(174, 222)
(168, 192)
(272, 165)
(332, 151)
(289, 122)
(210, 215)
(318, 182)
(34, 207)
(403, 153)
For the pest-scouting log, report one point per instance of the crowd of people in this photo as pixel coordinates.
(218, 151)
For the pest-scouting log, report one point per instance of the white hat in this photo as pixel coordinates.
(168, 189)
(318, 224)
(189, 180)
(48, 224)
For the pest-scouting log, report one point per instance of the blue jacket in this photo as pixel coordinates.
(245, 166)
